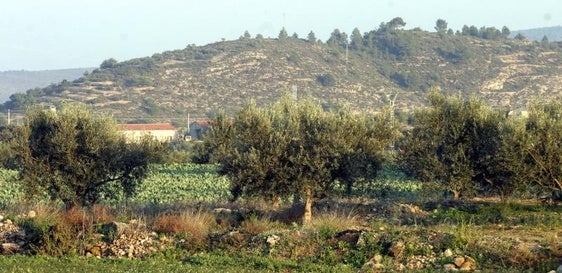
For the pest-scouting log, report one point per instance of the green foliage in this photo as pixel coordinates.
(337, 39)
(48, 234)
(540, 144)
(326, 80)
(107, 64)
(356, 42)
(458, 144)
(311, 38)
(75, 156)
(456, 54)
(151, 107)
(10, 190)
(441, 26)
(292, 148)
(7, 135)
(138, 81)
(283, 35)
(169, 184)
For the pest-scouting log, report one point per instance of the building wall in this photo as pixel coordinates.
(161, 135)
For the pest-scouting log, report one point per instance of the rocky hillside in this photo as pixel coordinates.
(201, 80)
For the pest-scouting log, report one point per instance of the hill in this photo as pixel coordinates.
(537, 34)
(198, 81)
(19, 81)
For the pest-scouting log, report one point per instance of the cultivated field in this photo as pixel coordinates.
(181, 221)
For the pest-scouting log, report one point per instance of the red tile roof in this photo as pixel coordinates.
(146, 127)
(202, 123)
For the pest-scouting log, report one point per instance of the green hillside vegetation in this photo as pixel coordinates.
(19, 81)
(362, 70)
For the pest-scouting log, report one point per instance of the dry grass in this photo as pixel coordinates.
(336, 220)
(101, 214)
(195, 224)
(258, 225)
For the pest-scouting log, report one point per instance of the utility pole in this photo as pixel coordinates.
(9, 118)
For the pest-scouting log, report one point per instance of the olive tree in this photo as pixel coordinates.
(297, 148)
(460, 144)
(77, 157)
(541, 146)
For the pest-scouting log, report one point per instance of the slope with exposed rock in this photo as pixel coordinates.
(201, 80)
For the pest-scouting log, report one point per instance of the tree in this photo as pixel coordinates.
(20, 101)
(505, 31)
(544, 42)
(541, 146)
(109, 63)
(465, 30)
(441, 26)
(473, 31)
(7, 135)
(396, 23)
(311, 37)
(337, 39)
(356, 40)
(77, 158)
(520, 37)
(246, 36)
(457, 143)
(297, 148)
(283, 35)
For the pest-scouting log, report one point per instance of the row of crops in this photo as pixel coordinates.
(168, 184)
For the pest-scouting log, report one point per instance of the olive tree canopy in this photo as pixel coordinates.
(77, 157)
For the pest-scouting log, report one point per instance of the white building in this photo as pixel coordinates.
(165, 132)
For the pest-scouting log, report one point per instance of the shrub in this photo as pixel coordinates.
(49, 233)
(194, 225)
(326, 80)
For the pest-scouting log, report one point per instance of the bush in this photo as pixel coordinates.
(78, 158)
(49, 233)
(326, 80)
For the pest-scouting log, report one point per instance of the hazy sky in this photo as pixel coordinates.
(56, 34)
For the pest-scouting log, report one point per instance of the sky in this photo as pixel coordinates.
(59, 34)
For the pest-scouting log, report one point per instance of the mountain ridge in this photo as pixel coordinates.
(197, 81)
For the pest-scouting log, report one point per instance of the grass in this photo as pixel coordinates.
(207, 262)
(517, 236)
(512, 237)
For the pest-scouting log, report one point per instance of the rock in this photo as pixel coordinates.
(459, 261)
(399, 267)
(396, 249)
(272, 240)
(450, 267)
(1, 217)
(95, 251)
(10, 248)
(447, 253)
(131, 251)
(559, 269)
(468, 265)
(31, 214)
